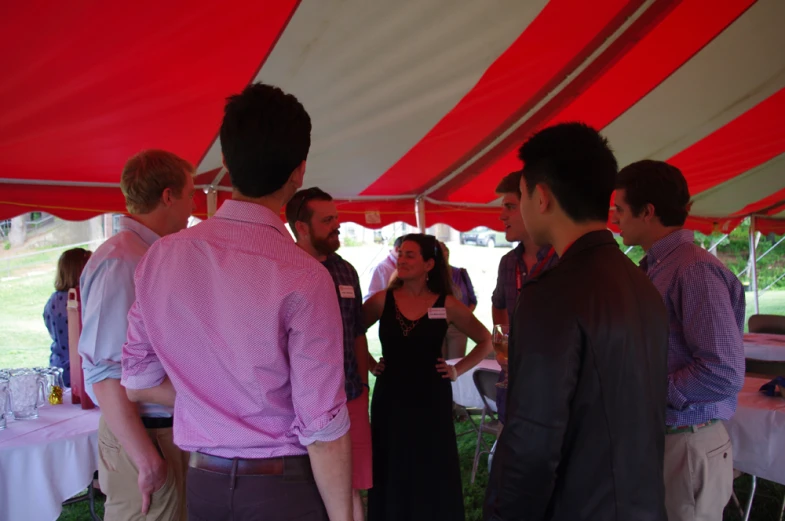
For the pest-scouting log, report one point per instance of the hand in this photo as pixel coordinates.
(502, 362)
(379, 368)
(447, 370)
(151, 479)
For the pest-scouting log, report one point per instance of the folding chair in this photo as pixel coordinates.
(771, 324)
(485, 382)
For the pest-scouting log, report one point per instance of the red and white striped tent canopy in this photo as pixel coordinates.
(410, 100)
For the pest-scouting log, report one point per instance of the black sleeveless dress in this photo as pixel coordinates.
(416, 473)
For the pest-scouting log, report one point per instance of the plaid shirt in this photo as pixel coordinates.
(706, 307)
(506, 293)
(345, 275)
(505, 296)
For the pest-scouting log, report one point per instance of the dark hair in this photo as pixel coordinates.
(439, 280)
(576, 163)
(659, 184)
(297, 209)
(510, 184)
(265, 135)
(398, 242)
(69, 268)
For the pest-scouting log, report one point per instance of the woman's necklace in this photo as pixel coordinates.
(405, 328)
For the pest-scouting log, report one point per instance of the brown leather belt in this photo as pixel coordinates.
(295, 466)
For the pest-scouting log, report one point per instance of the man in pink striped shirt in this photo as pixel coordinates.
(243, 323)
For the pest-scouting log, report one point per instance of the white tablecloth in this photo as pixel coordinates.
(758, 433)
(761, 346)
(45, 461)
(464, 391)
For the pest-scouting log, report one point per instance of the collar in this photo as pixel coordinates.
(144, 233)
(332, 258)
(667, 244)
(253, 213)
(541, 253)
(587, 242)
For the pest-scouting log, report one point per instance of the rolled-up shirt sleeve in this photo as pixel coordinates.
(107, 295)
(315, 346)
(141, 367)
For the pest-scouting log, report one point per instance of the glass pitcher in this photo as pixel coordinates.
(54, 386)
(27, 393)
(4, 401)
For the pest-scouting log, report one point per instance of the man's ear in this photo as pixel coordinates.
(543, 197)
(649, 213)
(302, 229)
(167, 197)
(298, 176)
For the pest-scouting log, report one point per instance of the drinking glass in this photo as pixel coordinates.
(501, 335)
(27, 393)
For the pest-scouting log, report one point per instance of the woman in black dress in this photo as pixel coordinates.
(416, 474)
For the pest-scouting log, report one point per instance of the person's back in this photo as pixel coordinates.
(279, 279)
(620, 392)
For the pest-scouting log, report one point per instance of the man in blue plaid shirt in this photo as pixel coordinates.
(706, 309)
(313, 218)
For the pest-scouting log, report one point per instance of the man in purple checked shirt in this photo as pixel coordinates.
(706, 308)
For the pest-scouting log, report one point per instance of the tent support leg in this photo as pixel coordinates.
(212, 200)
(419, 208)
(754, 265)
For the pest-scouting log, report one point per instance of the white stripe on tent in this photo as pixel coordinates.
(376, 78)
(734, 195)
(738, 69)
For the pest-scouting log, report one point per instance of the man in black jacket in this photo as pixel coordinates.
(585, 426)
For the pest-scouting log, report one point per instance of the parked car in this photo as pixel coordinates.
(484, 236)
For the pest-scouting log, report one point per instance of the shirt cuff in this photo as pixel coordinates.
(334, 429)
(152, 375)
(676, 400)
(104, 370)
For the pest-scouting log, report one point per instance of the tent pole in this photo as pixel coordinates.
(212, 200)
(754, 265)
(419, 208)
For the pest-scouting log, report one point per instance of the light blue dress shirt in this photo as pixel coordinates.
(107, 293)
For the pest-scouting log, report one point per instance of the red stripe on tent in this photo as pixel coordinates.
(767, 226)
(652, 55)
(89, 84)
(560, 38)
(750, 140)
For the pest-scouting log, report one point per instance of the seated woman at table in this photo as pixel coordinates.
(69, 269)
(415, 453)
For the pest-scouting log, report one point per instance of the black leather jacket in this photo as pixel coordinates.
(585, 430)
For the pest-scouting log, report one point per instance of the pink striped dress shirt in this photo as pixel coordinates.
(247, 327)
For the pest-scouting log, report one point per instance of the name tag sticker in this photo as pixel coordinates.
(437, 313)
(346, 291)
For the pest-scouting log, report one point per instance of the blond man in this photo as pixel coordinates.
(140, 469)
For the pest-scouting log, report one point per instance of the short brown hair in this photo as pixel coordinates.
(69, 268)
(510, 184)
(659, 184)
(147, 174)
(297, 208)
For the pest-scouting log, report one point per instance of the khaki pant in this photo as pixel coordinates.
(118, 476)
(698, 474)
